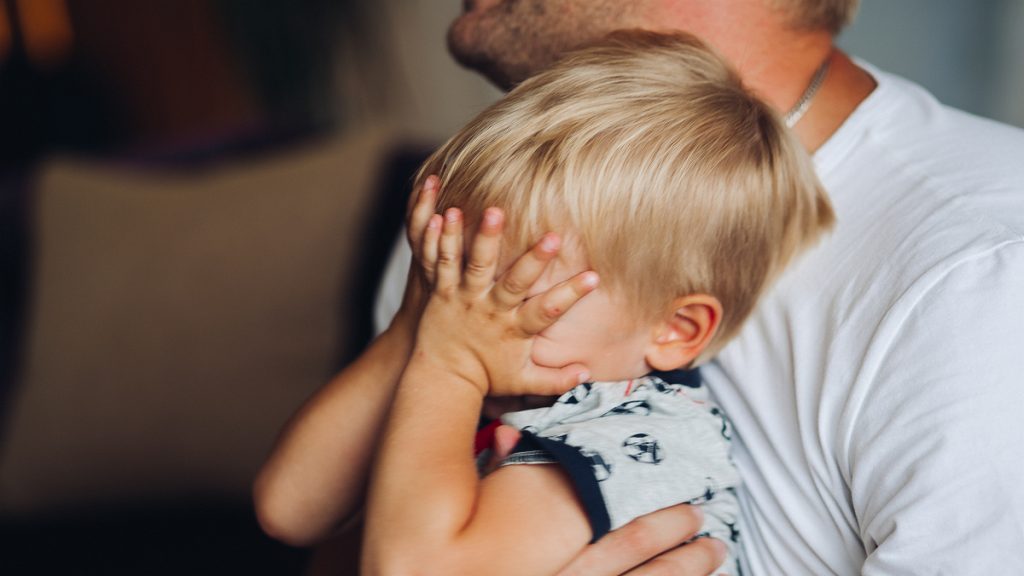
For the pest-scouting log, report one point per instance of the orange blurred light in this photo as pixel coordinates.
(46, 30)
(5, 34)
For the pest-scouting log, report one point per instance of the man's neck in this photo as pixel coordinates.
(844, 88)
(775, 61)
(782, 77)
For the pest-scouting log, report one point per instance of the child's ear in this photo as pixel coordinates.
(685, 332)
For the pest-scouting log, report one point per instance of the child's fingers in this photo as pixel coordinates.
(505, 439)
(429, 246)
(514, 285)
(449, 253)
(430, 185)
(483, 254)
(545, 309)
(421, 208)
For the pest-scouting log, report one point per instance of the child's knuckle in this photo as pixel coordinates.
(513, 285)
(476, 268)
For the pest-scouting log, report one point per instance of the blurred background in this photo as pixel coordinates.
(196, 197)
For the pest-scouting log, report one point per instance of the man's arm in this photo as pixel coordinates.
(389, 293)
(935, 471)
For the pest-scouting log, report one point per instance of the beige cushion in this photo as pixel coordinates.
(177, 319)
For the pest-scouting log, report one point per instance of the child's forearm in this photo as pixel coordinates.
(316, 476)
(424, 484)
(429, 513)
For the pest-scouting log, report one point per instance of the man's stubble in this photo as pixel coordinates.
(510, 40)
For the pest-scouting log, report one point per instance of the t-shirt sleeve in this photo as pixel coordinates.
(934, 460)
(584, 469)
(637, 455)
(392, 285)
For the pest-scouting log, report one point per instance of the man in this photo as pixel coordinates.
(875, 392)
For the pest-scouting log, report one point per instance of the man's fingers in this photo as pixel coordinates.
(514, 285)
(483, 254)
(698, 558)
(449, 252)
(421, 208)
(544, 309)
(637, 542)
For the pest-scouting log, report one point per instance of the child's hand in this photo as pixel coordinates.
(482, 329)
(418, 213)
(422, 206)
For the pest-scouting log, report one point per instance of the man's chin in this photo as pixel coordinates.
(466, 50)
(461, 37)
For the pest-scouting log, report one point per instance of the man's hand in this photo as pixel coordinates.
(482, 329)
(652, 545)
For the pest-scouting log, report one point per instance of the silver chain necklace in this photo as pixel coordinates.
(797, 112)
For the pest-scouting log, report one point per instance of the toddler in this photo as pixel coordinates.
(643, 164)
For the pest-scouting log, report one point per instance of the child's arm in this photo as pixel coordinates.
(316, 475)
(428, 511)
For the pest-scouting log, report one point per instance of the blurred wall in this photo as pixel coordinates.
(969, 53)
(1009, 86)
(433, 95)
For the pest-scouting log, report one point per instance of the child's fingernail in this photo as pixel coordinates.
(549, 242)
(590, 279)
(583, 377)
(431, 182)
(492, 217)
(452, 215)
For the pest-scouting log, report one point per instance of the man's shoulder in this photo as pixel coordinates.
(925, 196)
(921, 181)
(909, 126)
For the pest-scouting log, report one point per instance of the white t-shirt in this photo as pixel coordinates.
(877, 393)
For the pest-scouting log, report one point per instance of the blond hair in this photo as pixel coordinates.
(648, 149)
(829, 15)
